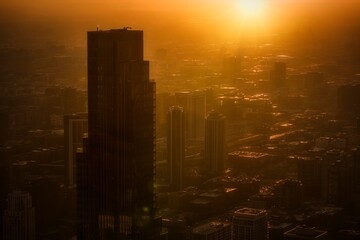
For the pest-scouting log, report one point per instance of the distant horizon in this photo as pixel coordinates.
(65, 22)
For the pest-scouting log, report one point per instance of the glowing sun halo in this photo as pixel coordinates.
(251, 8)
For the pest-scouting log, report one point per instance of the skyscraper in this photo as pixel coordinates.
(197, 115)
(117, 163)
(183, 99)
(75, 125)
(250, 224)
(215, 151)
(194, 106)
(176, 146)
(19, 217)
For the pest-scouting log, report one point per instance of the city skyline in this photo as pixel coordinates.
(180, 120)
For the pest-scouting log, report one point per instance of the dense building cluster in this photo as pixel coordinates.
(249, 145)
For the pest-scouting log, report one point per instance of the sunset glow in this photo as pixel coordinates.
(179, 119)
(251, 8)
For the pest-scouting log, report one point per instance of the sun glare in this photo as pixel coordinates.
(251, 8)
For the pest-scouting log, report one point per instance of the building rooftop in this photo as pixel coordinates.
(245, 154)
(249, 213)
(306, 232)
(210, 227)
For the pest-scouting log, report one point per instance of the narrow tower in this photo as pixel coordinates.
(176, 148)
(215, 150)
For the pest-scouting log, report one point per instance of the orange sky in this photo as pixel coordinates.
(196, 16)
(85, 7)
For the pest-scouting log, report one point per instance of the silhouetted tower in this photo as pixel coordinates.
(19, 217)
(183, 99)
(75, 126)
(288, 194)
(309, 173)
(176, 146)
(215, 150)
(116, 184)
(197, 115)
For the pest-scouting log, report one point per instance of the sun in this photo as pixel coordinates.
(251, 8)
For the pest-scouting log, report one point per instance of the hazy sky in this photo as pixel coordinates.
(57, 18)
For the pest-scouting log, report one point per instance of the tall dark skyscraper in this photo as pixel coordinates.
(215, 147)
(176, 146)
(116, 187)
(197, 116)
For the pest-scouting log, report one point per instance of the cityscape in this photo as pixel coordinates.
(180, 120)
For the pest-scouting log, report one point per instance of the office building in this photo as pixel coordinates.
(116, 166)
(215, 151)
(75, 126)
(176, 146)
(213, 230)
(183, 99)
(337, 177)
(288, 194)
(197, 115)
(309, 173)
(250, 224)
(163, 102)
(194, 107)
(19, 217)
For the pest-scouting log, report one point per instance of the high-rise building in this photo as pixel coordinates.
(75, 126)
(176, 146)
(197, 115)
(337, 172)
(215, 151)
(183, 99)
(19, 217)
(288, 194)
(194, 106)
(116, 187)
(163, 102)
(309, 173)
(250, 224)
